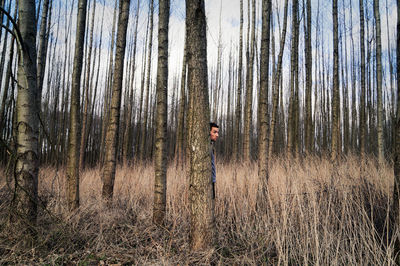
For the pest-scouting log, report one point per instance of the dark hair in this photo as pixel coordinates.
(212, 124)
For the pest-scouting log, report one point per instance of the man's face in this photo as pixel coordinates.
(214, 133)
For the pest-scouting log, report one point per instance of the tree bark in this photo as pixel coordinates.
(27, 167)
(378, 48)
(308, 61)
(200, 189)
(336, 101)
(396, 158)
(74, 128)
(143, 142)
(263, 101)
(362, 81)
(112, 134)
(275, 85)
(83, 139)
(160, 167)
(249, 91)
(291, 143)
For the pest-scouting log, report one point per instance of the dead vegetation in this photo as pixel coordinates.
(317, 213)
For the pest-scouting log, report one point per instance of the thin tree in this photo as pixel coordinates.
(396, 157)
(378, 48)
(112, 134)
(263, 99)
(74, 128)
(308, 61)
(362, 81)
(238, 111)
(179, 150)
(248, 110)
(275, 85)
(160, 167)
(336, 100)
(87, 94)
(148, 82)
(200, 188)
(292, 140)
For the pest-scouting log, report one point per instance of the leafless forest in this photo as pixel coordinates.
(104, 132)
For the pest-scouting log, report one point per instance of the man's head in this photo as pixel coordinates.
(214, 132)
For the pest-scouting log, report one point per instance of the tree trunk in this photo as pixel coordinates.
(113, 125)
(42, 51)
(275, 85)
(238, 112)
(336, 101)
(181, 116)
(200, 188)
(74, 128)
(263, 101)
(378, 48)
(293, 80)
(26, 170)
(87, 95)
(396, 157)
(249, 92)
(160, 163)
(308, 61)
(362, 81)
(143, 142)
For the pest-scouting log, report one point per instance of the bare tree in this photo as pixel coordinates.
(362, 81)
(396, 157)
(112, 134)
(275, 85)
(238, 112)
(378, 48)
(263, 99)
(27, 123)
(336, 101)
(248, 110)
(308, 61)
(200, 188)
(160, 179)
(74, 128)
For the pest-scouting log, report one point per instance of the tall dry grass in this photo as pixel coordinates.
(317, 213)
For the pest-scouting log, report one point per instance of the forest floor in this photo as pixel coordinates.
(317, 213)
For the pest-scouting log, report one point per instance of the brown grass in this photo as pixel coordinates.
(317, 213)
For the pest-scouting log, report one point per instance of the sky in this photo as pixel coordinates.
(222, 22)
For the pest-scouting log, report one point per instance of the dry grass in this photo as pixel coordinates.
(317, 214)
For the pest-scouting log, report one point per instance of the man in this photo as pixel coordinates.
(214, 134)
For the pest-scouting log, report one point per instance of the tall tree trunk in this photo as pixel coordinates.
(238, 111)
(107, 94)
(27, 167)
(128, 129)
(143, 142)
(378, 48)
(308, 61)
(336, 101)
(275, 85)
(291, 143)
(179, 151)
(200, 188)
(42, 51)
(263, 101)
(396, 157)
(74, 128)
(87, 94)
(160, 163)
(362, 96)
(353, 88)
(112, 134)
(249, 92)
